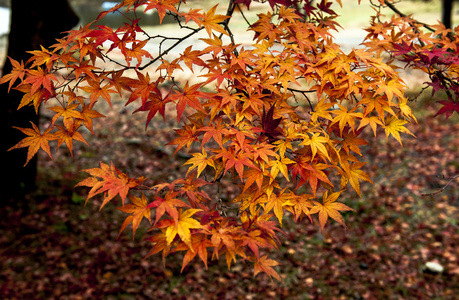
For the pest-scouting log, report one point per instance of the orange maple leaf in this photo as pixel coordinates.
(265, 264)
(159, 241)
(42, 57)
(138, 209)
(97, 91)
(114, 182)
(162, 6)
(199, 243)
(167, 204)
(18, 72)
(192, 57)
(87, 114)
(35, 141)
(69, 133)
(193, 14)
(329, 208)
(299, 205)
(211, 21)
(136, 51)
(142, 88)
(68, 113)
(39, 78)
(189, 95)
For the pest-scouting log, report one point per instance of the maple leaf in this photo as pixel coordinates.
(39, 78)
(317, 143)
(280, 164)
(189, 95)
(391, 88)
(223, 235)
(211, 21)
(115, 8)
(167, 204)
(97, 91)
(343, 116)
(276, 202)
(86, 68)
(69, 113)
(449, 107)
(321, 110)
(269, 124)
(235, 160)
(254, 240)
(181, 227)
(394, 126)
(138, 209)
(136, 51)
(405, 110)
(352, 142)
(35, 141)
(162, 6)
(215, 45)
(218, 74)
(373, 121)
(18, 71)
(188, 135)
(265, 264)
(114, 182)
(67, 134)
(309, 172)
(353, 174)
(254, 176)
(41, 57)
(199, 243)
(87, 114)
(142, 88)
(190, 186)
(170, 67)
(200, 161)
(282, 146)
(159, 241)
(299, 205)
(329, 208)
(104, 33)
(36, 98)
(193, 14)
(214, 132)
(154, 104)
(192, 57)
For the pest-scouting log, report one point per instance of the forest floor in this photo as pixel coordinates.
(55, 247)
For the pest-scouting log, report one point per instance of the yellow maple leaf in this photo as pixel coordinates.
(200, 161)
(394, 126)
(182, 227)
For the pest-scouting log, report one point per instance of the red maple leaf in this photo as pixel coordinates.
(449, 107)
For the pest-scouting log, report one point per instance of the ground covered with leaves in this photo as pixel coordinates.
(53, 246)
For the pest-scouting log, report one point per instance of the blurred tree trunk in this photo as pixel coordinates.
(33, 23)
(446, 12)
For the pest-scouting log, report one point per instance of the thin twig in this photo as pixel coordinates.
(443, 188)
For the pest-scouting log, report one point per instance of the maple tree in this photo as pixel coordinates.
(280, 118)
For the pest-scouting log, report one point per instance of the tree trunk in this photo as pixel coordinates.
(33, 23)
(446, 12)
